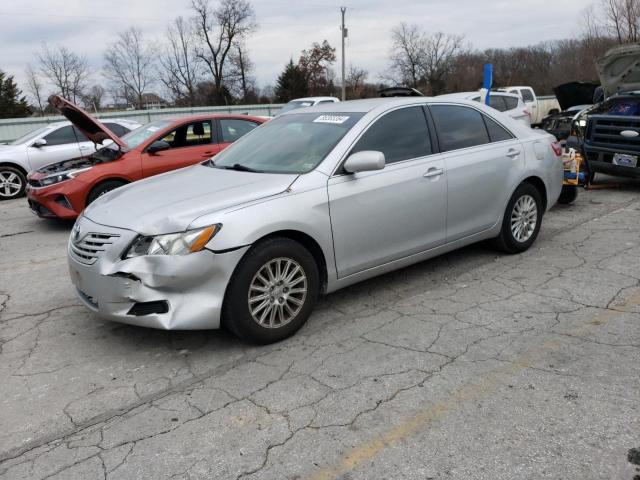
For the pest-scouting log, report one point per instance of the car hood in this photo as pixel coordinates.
(574, 93)
(170, 202)
(91, 127)
(618, 70)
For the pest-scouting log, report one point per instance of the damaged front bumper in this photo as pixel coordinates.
(169, 292)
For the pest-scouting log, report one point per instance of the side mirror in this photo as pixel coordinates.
(364, 161)
(41, 142)
(158, 146)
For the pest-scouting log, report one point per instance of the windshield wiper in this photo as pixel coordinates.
(238, 167)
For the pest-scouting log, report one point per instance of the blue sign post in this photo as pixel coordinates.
(488, 80)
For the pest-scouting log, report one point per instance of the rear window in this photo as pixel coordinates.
(458, 127)
(511, 102)
(497, 102)
(116, 128)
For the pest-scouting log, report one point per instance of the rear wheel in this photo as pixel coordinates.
(272, 292)
(12, 183)
(103, 188)
(522, 220)
(568, 194)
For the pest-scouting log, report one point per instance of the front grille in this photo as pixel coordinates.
(88, 248)
(604, 132)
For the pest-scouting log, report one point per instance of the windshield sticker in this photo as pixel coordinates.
(337, 119)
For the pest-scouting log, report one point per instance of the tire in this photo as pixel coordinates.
(525, 196)
(592, 177)
(12, 182)
(290, 310)
(568, 194)
(103, 188)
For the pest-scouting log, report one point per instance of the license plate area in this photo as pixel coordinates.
(624, 160)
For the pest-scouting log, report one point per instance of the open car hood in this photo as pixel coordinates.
(574, 93)
(91, 127)
(619, 71)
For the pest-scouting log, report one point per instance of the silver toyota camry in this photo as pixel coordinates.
(308, 203)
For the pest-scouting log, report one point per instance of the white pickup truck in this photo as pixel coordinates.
(538, 106)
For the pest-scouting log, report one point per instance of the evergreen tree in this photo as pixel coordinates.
(12, 103)
(292, 83)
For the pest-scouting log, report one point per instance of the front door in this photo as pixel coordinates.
(381, 216)
(62, 144)
(190, 143)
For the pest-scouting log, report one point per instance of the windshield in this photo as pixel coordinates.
(295, 104)
(288, 144)
(143, 133)
(30, 136)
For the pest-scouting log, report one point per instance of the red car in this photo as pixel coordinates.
(64, 189)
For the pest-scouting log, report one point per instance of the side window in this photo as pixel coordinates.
(116, 128)
(64, 135)
(511, 102)
(233, 128)
(189, 135)
(497, 102)
(458, 127)
(527, 95)
(400, 135)
(497, 133)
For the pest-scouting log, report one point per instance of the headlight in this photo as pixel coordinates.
(182, 243)
(53, 179)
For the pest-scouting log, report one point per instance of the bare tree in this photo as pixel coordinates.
(129, 65)
(180, 68)
(440, 52)
(64, 69)
(218, 30)
(93, 97)
(619, 19)
(35, 89)
(240, 72)
(355, 80)
(408, 54)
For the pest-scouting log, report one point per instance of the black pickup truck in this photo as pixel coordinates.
(611, 129)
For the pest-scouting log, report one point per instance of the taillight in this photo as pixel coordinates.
(527, 112)
(557, 149)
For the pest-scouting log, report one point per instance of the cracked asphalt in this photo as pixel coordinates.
(474, 365)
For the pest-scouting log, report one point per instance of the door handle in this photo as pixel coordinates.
(433, 172)
(513, 152)
(84, 147)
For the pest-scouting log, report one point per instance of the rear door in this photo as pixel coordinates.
(381, 216)
(481, 157)
(190, 143)
(62, 144)
(232, 129)
(529, 99)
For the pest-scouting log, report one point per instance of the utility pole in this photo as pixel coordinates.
(344, 32)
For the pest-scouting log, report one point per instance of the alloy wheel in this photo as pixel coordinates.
(524, 218)
(277, 292)
(10, 184)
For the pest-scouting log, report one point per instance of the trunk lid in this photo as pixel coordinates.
(83, 121)
(619, 71)
(575, 93)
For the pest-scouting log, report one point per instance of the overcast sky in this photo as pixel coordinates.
(285, 27)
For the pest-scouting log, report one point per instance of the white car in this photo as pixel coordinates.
(509, 103)
(54, 143)
(538, 105)
(307, 102)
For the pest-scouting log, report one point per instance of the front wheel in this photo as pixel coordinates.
(12, 183)
(102, 189)
(272, 291)
(522, 220)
